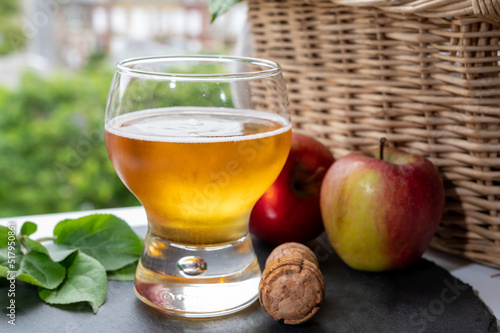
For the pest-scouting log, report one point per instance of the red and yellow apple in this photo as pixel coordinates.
(289, 210)
(381, 213)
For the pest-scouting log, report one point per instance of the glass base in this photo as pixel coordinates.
(197, 281)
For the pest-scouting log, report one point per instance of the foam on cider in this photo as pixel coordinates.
(197, 125)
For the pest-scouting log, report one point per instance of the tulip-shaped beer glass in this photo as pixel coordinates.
(197, 139)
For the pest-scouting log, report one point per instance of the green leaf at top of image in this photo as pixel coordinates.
(28, 228)
(38, 269)
(126, 273)
(86, 282)
(219, 7)
(104, 237)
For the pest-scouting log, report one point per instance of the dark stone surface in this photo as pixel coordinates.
(421, 298)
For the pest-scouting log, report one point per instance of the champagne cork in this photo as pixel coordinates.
(292, 287)
(292, 249)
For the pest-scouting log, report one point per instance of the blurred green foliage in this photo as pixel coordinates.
(10, 7)
(148, 94)
(52, 152)
(12, 36)
(53, 157)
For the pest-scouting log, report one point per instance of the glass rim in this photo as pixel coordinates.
(269, 67)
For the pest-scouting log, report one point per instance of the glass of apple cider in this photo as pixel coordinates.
(197, 139)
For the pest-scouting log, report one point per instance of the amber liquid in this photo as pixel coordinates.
(198, 172)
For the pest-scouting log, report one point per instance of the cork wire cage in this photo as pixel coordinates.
(425, 74)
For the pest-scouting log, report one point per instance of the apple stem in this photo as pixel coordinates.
(312, 177)
(382, 143)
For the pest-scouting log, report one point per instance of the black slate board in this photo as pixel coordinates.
(421, 298)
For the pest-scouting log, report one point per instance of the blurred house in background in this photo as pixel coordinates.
(126, 28)
(65, 33)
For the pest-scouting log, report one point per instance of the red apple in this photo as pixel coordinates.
(289, 210)
(381, 213)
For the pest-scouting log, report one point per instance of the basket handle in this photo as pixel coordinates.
(488, 10)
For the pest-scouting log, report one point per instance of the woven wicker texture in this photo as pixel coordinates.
(424, 74)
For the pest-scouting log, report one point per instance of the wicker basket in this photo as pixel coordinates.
(425, 74)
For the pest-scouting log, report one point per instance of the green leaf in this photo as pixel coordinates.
(28, 228)
(126, 273)
(59, 252)
(4, 236)
(219, 7)
(38, 269)
(6, 273)
(3, 271)
(33, 245)
(34, 268)
(86, 282)
(11, 259)
(106, 238)
(3, 256)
